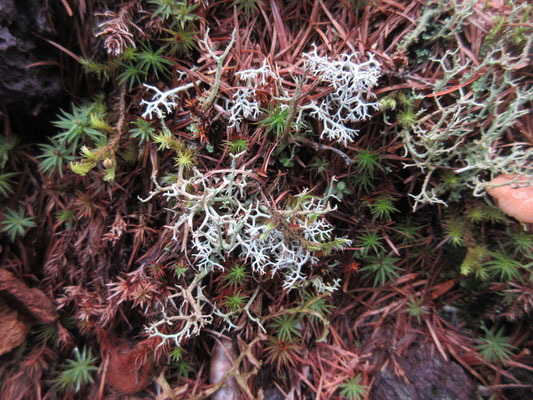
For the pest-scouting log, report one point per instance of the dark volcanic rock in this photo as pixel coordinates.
(429, 378)
(26, 91)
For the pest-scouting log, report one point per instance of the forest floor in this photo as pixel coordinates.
(265, 199)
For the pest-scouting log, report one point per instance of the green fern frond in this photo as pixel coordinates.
(235, 275)
(150, 61)
(382, 206)
(5, 183)
(77, 372)
(15, 223)
(503, 265)
(54, 157)
(286, 327)
(76, 126)
(275, 120)
(370, 241)
(383, 268)
(495, 347)
(352, 389)
(142, 130)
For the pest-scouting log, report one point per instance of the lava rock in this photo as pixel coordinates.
(427, 376)
(24, 89)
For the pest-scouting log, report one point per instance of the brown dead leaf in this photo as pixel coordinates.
(122, 372)
(516, 199)
(12, 329)
(441, 288)
(32, 299)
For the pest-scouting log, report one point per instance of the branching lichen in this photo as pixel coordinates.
(165, 102)
(224, 220)
(465, 135)
(338, 109)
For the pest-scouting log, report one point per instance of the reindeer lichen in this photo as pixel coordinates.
(465, 134)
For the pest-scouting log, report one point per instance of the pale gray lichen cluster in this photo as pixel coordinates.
(336, 111)
(224, 221)
(465, 135)
(348, 102)
(223, 215)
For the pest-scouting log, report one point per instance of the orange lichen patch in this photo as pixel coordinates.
(123, 373)
(514, 199)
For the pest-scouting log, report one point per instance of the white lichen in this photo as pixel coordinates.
(224, 221)
(337, 111)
